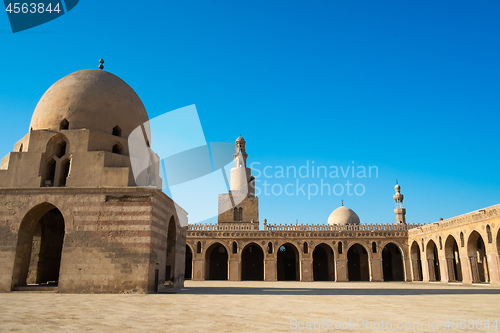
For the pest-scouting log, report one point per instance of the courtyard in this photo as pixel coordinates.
(226, 306)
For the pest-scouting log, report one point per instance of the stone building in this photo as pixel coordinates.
(465, 248)
(72, 216)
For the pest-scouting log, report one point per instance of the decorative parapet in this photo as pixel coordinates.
(304, 227)
(468, 218)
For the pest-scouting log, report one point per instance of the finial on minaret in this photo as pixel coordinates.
(400, 212)
(101, 62)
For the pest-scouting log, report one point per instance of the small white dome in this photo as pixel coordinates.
(343, 216)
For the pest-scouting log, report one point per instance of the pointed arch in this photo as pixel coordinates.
(288, 264)
(64, 124)
(55, 162)
(117, 131)
(433, 261)
(476, 250)
(358, 267)
(216, 262)
(392, 263)
(252, 263)
(117, 149)
(453, 262)
(323, 263)
(416, 262)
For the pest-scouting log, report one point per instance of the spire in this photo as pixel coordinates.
(101, 64)
(400, 212)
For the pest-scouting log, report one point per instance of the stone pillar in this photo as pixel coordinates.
(234, 269)
(493, 265)
(377, 272)
(425, 266)
(306, 273)
(443, 267)
(198, 269)
(270, 270)
(408, 268)
(465, 262)
(342, 274)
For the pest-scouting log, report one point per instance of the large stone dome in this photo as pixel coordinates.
(91, 99)
(343, 216)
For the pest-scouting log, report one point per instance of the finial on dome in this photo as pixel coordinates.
(342, 201)
(101, 62)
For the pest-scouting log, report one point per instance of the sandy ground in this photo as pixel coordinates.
(222, 306)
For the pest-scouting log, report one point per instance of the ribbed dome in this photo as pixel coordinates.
(343, 216)
(91, 99)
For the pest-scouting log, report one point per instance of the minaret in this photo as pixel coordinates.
(239, 182)
(400, 212)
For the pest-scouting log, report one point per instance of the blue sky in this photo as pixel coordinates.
(410, 87)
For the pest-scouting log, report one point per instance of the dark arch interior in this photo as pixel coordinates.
(416, 262)
(433, 262)
(392, 263)
(453, 260)
(357, 263)
(39, 248)
(188, 268)
(216, 261)
(288, 263)
(252, 263)
(477, 257)
(170, 257)
(323, 264)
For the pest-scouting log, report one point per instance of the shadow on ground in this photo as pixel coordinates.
(231, 290)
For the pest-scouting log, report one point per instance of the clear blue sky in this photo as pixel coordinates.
(412, 87)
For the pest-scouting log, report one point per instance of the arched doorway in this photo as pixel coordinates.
(452, 259)
(39, 247)
(216, 259)
(416, 262)
(433, 261)
(188, 267)
(323, 264)
(288, 263)
(170, 260)
(357, 263)
(252, 263)
(392, 263)
(477, 258)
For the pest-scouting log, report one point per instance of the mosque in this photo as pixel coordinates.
(74, 219)
(72, 216)
(463, 249)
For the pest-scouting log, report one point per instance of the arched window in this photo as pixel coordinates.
(270, 248)
(440, 243)
(340, 247)
(198, 247)
(117, 149)
(64, 125)
(462, 239)
(374, 247)
(488, 232)
(235, 247)
(238, 214)
(55, 163)
(21, 148)
(306, 247)
(117, 131)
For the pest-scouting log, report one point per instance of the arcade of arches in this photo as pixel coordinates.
(465, 249)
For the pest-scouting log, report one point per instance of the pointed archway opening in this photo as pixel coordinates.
(188, 267)
(416, 262)
(288, 263)
(216, 260)
(392, 263)
(323, 263)
(252, 263)
(357, 263)
(453, 259)
(170, 257)
(477, 258)
(433, 262)
(39, 247)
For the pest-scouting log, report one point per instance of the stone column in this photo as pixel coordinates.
(425, 266)
(198, 269)
(270, 270)
(377, 272)
(443, 267)
(465, 262)
(493, 265)
(306, 274)
(234, 269)
(342, 274)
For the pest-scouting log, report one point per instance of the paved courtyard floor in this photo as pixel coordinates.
(222, 306)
